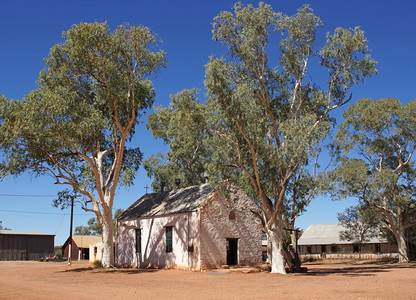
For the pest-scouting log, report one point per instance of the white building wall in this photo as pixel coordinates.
(96, 252)
(153, 241)
(199, 238)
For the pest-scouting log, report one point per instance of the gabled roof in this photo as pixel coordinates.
(327, 234)
(84, 241)
(167, 203)
(21, 232)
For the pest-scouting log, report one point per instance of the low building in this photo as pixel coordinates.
(193, 227)
(25, 245)
(97, 251)
(323, 241)
(80, 246)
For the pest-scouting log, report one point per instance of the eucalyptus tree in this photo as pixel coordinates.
(181, 127)
(266, 115)
(94, 228)
(360, 224)
(378, 141)
(77, 124)
(300, 192)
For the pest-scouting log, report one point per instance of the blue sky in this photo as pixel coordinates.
(28, 29)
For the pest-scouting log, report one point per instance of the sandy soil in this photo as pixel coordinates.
(52, 280)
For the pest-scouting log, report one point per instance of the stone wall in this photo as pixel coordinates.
(199, 238)
(229, 217)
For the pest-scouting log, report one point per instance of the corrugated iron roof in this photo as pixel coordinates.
(22, 232)
(327, 234)
(166, 203)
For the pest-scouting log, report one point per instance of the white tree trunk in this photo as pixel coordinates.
(402, 247)
(107, 227)
(294, 241)
(399, 234)
(269, 251)
(276, 243)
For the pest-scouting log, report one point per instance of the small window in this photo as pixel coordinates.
(309, 249)
(333, 249)
(323, 248)
(138, 241)
(377, 248)
(231, 216)
(169, 239)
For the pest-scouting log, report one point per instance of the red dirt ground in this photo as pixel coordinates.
(53, 280)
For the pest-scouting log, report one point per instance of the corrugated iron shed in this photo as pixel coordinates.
(327, 234)
(25, 245)
(22, 232)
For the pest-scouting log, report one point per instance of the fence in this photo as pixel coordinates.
(372, 256)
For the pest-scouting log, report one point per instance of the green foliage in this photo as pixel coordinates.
(265, 120)
(97, 264)
(89, 96)
(58, 252)
(268, 121)
(300, 191)
(181, 126)
(377, 140)
(360, 224)
(75, 125)
(117, 213)
(336, 248)
(94, 227)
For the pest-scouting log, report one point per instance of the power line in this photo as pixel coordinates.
(60, 224)
(37, 212)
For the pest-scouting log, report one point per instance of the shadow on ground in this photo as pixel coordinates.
(313, 269)
(109, 271)
(354, 270)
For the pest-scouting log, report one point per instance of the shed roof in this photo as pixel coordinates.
(166, 203)
(327, 234)
(22, 232)
(84, 241)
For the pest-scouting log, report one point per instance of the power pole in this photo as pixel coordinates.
(70, 232)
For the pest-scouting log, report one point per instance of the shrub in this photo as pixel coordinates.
(97, 264)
